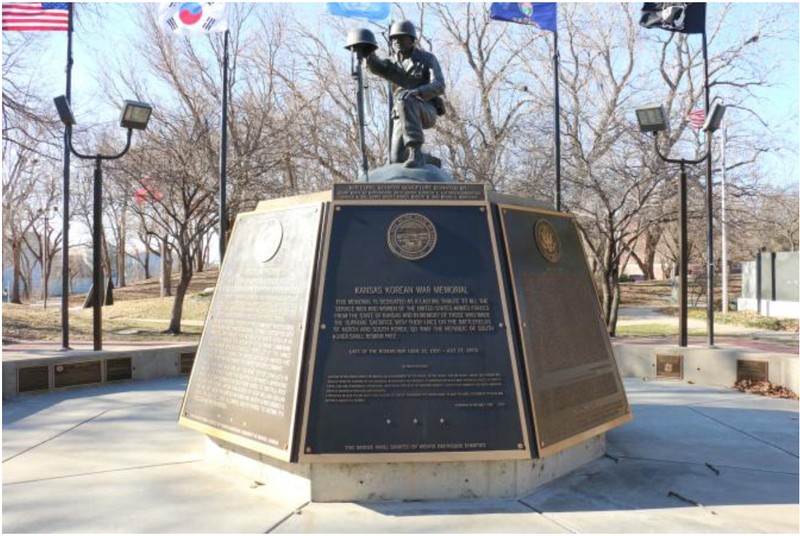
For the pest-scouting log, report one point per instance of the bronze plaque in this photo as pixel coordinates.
(72, 374)
(669, 366)
(413, 355)
(573, 381)
(186, 363)
(748, 369)
(244, 384)
(119, 369)
(408, 191)
(31, 379)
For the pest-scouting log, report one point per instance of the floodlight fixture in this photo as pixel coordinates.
(136, 115)
(651, 118)
(64, 111)
(714, 118)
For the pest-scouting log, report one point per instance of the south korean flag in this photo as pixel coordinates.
(194, 17)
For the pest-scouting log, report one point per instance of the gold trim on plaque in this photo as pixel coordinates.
(325, 236)
(501, 288)
(303, 202)
(548, 450)
(518, 454)
(443, 456)
(236, 439)
(271, 205)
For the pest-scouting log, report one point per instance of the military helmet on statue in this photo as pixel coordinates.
(403, 27)
(361, 40)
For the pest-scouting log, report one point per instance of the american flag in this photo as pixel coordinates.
(36, 16)
(697, 118)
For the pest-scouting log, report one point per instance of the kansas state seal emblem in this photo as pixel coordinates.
(411, 236)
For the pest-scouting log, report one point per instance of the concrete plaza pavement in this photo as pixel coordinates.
(113, 459)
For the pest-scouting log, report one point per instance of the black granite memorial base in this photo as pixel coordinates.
(403, 321)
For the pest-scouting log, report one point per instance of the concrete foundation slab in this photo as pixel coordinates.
(338, 482)
(694, 459)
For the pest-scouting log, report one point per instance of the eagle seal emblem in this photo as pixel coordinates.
(547, 241)
(411, 236)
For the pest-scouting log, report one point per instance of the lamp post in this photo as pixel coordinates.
(652, 119)
(135, 115)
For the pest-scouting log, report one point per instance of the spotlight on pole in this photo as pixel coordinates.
(135, 115)
(64, 111)
(652, 118)
(714, 118)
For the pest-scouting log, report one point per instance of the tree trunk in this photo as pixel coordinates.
(200, 261)
(650, 244)
(612, 321)
(105, 256)
(146, 263)
(166, 270)
(180, 294)
(16, 254)
(121, 250)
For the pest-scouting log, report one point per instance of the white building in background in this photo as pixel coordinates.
(770, 285)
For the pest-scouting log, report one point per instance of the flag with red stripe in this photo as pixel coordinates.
(36, 16)
(697, 119)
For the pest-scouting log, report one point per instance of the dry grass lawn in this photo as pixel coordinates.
(139, 314)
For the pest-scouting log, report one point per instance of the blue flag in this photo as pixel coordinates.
(360, 10)
(541, 14)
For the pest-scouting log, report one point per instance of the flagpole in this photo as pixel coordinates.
(223, 155)
(724, 231)
(709, 209)
(65, 201)
(557, 122)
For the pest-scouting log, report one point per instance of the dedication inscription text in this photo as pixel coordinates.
(413, 355)
(246, 370)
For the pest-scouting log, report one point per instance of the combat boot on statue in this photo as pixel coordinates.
(415, 158)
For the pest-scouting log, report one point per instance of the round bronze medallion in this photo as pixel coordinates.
(270, 239)
(411, 236)
(547, 241)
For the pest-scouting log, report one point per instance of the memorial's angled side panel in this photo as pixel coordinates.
(244, 384)
(412, 357)
(575, 388)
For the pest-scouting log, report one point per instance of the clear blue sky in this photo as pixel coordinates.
(114, 30)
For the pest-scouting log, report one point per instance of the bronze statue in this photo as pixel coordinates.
(418, 86)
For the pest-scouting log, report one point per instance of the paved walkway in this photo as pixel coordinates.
(113, 459)
(724, 334)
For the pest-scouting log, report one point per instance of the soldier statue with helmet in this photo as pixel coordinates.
(418, 86)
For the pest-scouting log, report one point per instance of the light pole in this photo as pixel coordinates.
(135, 115)
(652, 119)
